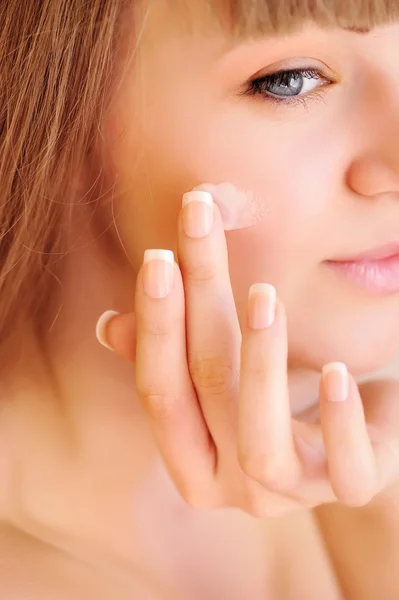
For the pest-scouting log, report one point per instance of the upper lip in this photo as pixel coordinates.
(378, 253)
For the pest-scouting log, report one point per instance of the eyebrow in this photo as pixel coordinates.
(359, 30)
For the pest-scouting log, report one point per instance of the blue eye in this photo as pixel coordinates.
(285, 85)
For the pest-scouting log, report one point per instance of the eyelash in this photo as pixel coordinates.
(257, 87)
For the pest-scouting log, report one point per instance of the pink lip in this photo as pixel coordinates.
(381, 253)
(376, 271)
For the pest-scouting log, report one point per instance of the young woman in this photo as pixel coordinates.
(232, 455)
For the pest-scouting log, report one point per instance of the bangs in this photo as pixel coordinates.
(260, 17)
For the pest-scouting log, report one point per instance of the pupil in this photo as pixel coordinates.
(287, 84)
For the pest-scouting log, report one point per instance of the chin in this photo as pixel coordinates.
(364, 348)
(363, 361)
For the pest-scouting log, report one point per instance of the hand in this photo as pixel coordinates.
(217, 397)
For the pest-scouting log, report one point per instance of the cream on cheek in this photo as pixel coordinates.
(239, 209)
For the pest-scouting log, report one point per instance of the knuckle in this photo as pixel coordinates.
(258, 466)
(160, 407)
(257, 366)
(200, 273)
(273, 477)
(258, 372)
(156, 326)
(214, 375)
(271, 472)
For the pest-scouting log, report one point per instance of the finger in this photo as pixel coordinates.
(117, 332)
(265, 442)
(350, 457)
(162, 377)
(212, 324)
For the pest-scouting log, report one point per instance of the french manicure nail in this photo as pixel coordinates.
(101, 327)
(158, 273)
(261, 305)
(336, 382)
(197, 214)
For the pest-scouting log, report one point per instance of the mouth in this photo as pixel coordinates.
(376, 270)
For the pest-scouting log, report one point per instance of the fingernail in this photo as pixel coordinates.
(336, 382)
(101, 327)
(197, 214)
(158, 272)
(261, 305)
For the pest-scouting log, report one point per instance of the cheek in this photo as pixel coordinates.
(297, 184)
(185, 141)
(282, 164)
(294, 182)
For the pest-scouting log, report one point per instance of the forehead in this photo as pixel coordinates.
(261, 17)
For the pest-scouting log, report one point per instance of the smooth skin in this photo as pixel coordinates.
(89, 509)
(218, 402)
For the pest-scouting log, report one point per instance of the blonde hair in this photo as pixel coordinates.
(260, 17)
(57, 64)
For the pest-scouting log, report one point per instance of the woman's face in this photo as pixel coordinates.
(318, 148)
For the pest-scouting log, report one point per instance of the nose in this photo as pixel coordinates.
(372, 176)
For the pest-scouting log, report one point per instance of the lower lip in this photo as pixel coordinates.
(374, 276)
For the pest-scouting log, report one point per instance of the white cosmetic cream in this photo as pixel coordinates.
(238, 208)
